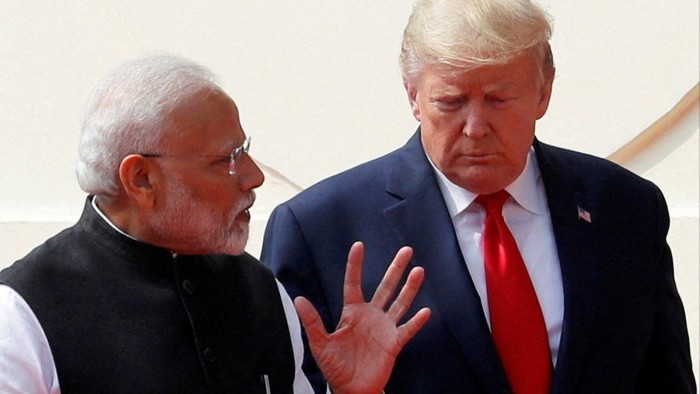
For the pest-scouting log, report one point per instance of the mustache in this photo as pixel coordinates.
(246, 202)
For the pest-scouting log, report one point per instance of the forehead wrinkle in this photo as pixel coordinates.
(209, 121)
(448, 89)
(455, 83)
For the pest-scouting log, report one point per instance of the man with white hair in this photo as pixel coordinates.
(151, 291)
(546, 270)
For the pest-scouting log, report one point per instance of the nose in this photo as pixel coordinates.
(476, 124)
(250, 175)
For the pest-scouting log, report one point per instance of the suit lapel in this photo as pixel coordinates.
(579, 253)
(431, 234)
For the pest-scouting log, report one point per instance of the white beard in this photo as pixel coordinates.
(185, 222)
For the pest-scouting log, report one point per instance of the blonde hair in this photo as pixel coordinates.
(464, 34)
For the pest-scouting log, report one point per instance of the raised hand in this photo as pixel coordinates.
(359, 356)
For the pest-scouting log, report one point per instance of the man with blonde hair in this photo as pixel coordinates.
(547, 270)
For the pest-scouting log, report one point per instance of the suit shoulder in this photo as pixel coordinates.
(364, 177)
(589, 168)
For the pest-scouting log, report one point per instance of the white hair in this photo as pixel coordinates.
(129, 113)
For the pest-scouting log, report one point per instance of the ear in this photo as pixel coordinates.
(138, 179)
(412, 92)
(545, 96)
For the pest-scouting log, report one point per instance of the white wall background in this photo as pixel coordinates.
(318, 87)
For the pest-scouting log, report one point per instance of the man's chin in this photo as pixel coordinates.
(237, 243)
(236, 251)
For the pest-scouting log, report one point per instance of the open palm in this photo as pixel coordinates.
(359, 356)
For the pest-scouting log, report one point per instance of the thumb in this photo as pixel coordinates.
(310, 319)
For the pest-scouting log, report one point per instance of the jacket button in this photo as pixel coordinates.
(209, 355)
(188, 286)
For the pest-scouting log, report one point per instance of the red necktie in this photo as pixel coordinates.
(517, 324)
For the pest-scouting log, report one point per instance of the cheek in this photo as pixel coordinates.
(214, 188)
(443, 125)
(440, 143)
(515, 131)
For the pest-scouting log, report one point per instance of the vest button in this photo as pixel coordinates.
(188, 286)
(209, 355)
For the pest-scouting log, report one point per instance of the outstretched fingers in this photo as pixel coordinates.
(352, 287)
(408, 293)
(385, 290)
(348, 357)
(409, 329)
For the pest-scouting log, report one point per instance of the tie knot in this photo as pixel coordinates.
(493, 203)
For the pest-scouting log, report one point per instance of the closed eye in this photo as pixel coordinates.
(449, 103)
(500, 99)
(220, 159)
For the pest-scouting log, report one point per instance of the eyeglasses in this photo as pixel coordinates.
(232, 157)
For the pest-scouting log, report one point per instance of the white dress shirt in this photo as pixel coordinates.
(527, 216)
(26, 363)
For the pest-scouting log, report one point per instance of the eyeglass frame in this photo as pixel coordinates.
(233, 156)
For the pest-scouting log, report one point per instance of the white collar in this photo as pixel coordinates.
(106, 219)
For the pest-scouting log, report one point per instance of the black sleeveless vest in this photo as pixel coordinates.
(123, 316)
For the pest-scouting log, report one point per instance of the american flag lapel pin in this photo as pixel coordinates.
(584, 215)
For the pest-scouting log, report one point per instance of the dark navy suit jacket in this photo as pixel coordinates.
(624, 328)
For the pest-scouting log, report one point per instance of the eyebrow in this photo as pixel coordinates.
(500, 85)
(231, 145)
